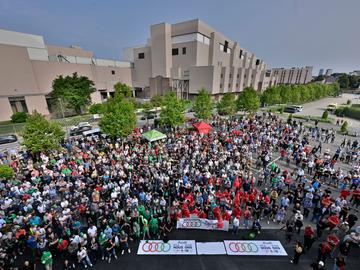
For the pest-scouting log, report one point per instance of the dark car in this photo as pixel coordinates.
(79, 130)
(290, 110)
(151, 116)
(7, 139)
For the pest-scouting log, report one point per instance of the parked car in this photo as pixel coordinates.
(290, 110)
(332, 107)
(298, 108)
(8, 138)
(79, 130)
(150, 116)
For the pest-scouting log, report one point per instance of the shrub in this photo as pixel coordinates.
(6, 171)
(325, 115)
(344, 127)
(19, 117)
(96, 108)
(281, 110)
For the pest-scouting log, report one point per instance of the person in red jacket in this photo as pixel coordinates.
(309, 235)
(324, 251)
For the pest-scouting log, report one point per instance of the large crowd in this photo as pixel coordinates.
(85, 202)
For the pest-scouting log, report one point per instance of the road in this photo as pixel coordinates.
(215, 262)
(317, 108)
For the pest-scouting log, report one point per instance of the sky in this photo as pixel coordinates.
(285, 33)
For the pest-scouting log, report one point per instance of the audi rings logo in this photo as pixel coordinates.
(238, 247)
(191, 223)
(156, 247)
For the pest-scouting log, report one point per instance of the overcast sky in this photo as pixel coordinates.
(285, 33)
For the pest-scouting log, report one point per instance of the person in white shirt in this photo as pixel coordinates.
(236, 223)
(83, 257)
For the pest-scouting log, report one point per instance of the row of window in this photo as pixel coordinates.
(175, 51)
(238, 76)
(237, 85)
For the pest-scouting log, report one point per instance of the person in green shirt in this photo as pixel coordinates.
(154, 227)
(46, 260)
(145, 223)
(102, 241)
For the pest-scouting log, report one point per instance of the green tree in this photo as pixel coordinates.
(123, 90)
(325, 115)
(227, 104)
(172, 110)
(119, 118)
(248, 100)
(6, 172)
(203, 105)
(157, 100)
(96, 108)
(147, 109)
(344, 127)
(40, 134)
(75, 90)
(344, 81)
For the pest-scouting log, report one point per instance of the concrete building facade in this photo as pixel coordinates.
(292, 75)
(190, 55)
(28, 67)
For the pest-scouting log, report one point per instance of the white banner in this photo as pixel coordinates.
(201, 224)
(210, 248)
(172, 247)
(254, 248)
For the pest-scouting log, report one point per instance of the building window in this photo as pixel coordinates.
(257, 62)
(220, 85)
(238, 75)
(229, 85)
(113, 72)
(241, 54)
(237, 85)
(230, 75)
(175, 51)
(18, 104)
(221, 75)
(245, 76)
(141, 55)
(184, 50)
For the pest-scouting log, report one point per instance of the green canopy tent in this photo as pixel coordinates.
(154, 135)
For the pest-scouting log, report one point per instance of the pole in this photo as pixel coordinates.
(63, 115)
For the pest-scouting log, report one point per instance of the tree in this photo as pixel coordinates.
(157, 100)
(75, 90)
(119, 118)
(40, 134)
(344, 81)
(147, 110)
(227, 104)
(325, 115)
(344, 127)
(6, 172)
(248, 100)
(123, 89)
(172, 110)
(96, 108)
(203, 105)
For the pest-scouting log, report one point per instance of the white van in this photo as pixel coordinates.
(297, 107)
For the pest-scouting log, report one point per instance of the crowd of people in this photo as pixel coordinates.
(85, 202)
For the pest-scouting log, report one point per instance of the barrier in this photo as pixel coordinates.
(201, 224)
(172, 247)
(254, 248)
